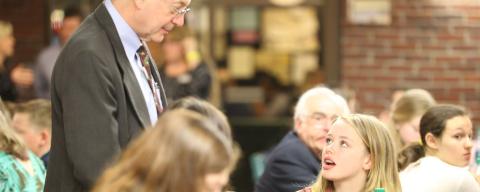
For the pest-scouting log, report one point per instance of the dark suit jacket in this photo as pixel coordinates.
(97, 103)
(291, 166)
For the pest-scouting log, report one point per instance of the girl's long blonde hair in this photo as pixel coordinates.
(378, 142)
(174, 155)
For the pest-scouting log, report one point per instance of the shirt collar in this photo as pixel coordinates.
(130, 40)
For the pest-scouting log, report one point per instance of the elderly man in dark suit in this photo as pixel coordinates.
(295, 162)
(106, 88)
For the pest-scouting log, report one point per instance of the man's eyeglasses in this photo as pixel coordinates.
(181, 11)
(321, 118)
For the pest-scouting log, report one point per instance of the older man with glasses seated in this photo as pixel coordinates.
(295, 162)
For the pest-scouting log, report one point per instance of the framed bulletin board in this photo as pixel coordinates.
(369, 12)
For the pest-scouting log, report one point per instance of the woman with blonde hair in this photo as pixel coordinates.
(358, 156)
(20, 169)
(406, 114)
(185, 69)
(183, 152)
(12, 75)
(7, 43)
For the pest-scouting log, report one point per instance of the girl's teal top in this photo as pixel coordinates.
(14, 177)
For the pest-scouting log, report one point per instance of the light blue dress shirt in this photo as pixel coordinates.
(131, 42)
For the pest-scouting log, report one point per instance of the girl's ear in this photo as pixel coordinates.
(431, 141)
(367, 163)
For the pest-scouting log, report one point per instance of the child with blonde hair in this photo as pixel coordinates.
(358, 156)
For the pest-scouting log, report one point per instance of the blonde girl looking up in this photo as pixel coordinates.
(359, 156)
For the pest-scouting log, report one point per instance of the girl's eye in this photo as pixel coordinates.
(344, 144)
(457, 136)
(329, 141)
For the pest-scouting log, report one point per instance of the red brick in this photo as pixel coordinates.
(434, 47)
(389, 36)
(449, 37)
(427, 69)
(419, 78)
(382, 57)
(463, 90)
(386, 78)
(418, 38)
(474, 78)
(447, 97)
(445, 79)
(473, 60)
(462, 68)
(475, 37)
(434, 7)
(452, 59)
(395, 69)
(414, 57)
(408, 46)
(354, 55)
(356, 77)
(470, 28)
(465, 48)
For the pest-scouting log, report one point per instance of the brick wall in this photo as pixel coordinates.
(431, 44)
(29, 20)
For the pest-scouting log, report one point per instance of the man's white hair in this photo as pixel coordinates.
(301, 107)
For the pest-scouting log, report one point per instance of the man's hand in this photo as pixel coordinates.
(22, 76)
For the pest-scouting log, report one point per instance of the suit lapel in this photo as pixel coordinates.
(129, 80)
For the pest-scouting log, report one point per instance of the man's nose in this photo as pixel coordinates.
(179, 20)
(326, 126)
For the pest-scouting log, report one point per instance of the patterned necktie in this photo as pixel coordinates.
(145, 59)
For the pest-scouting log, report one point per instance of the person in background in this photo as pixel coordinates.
(206, 109)
(277, 98)
(358, 156)
(446, 135)
(184, 72)
(20, 169)
(295, 162)
(406, 114)
(183, 152)
(33, 122)
(349, 95)
(386, 115)
(12, 76)
(46, 59)
(409, 154)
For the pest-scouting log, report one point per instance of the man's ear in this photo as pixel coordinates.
(367, 163)
(431, 141)
(297, 123)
